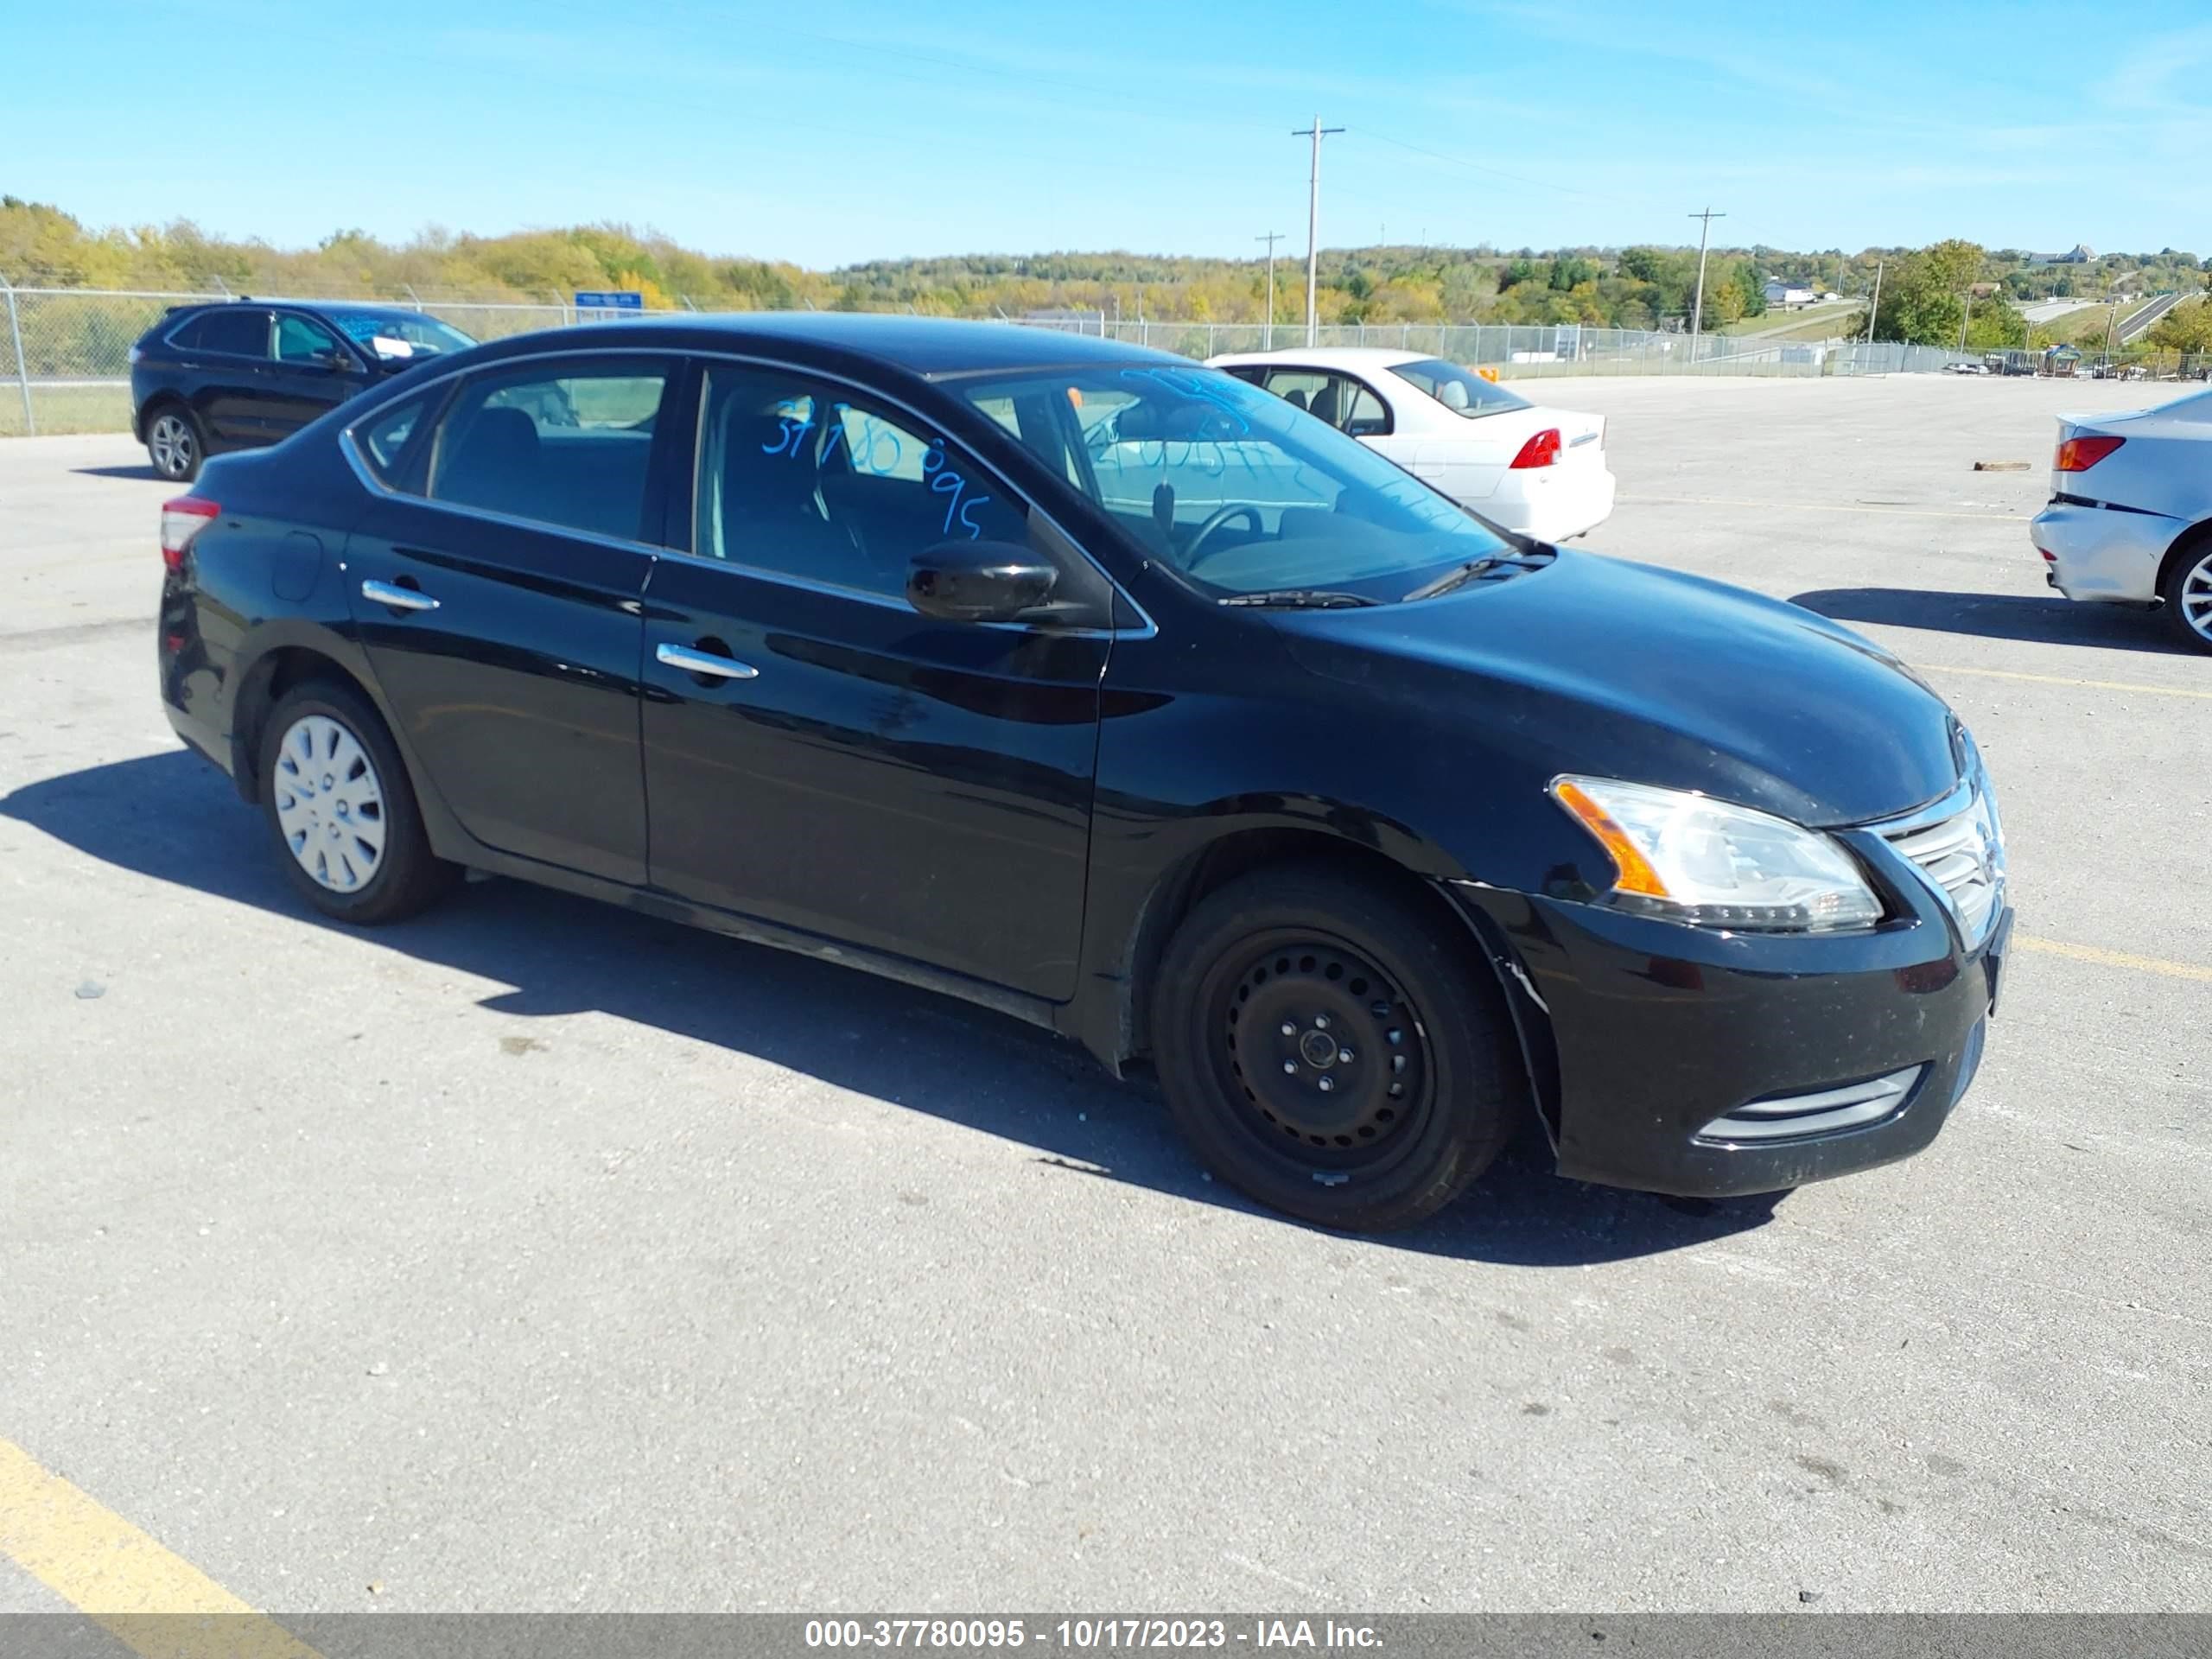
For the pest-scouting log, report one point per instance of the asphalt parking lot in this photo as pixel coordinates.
(534, 1255)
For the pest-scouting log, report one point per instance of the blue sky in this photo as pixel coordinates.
(833, 133)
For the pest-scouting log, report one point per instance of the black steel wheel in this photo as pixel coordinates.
(1333, 1049)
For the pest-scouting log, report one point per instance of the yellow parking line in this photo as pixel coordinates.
(154, 1602)
(1807, 506)
(2060, 679)
(2105, 958)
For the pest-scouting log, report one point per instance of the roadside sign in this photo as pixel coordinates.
(613, 302)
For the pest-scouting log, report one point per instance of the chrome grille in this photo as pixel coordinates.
(1959, 845)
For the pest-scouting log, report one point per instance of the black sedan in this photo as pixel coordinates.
(235, 374)
(1120, 695)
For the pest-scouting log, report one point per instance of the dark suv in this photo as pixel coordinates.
(236, 374)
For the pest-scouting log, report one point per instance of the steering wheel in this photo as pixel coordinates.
(1234, 510)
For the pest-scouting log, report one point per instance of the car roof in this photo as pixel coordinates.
(934, 347)
(349, 308)
(1348, 358)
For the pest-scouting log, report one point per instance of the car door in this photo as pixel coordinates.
(820, 755)
(497, 585)
(225, 351)
(312, 373)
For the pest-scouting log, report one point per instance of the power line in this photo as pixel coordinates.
(1313, 224)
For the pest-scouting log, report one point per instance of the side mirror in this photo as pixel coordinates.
(979, 582)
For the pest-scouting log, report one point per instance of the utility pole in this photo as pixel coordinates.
(1966, 318)
(1873, 310)
(1313, 224)
(1267, 329)
(1697, 311)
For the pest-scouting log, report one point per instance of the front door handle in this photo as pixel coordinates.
(705, 662)
(400, 599)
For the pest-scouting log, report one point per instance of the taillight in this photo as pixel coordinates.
(1541, 450)
(182, 519)
(2079, 454)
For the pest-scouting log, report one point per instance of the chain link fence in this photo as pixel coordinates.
(65, 352)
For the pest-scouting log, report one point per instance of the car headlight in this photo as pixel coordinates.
(1694, 859)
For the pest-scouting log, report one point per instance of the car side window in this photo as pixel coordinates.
(388, 438)
(234, 331)
(806, 480)
(1363, 414)
(301, 340)
(568, 444)
(1348, 406)
(1298, 387)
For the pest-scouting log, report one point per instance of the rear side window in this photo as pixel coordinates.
(566, 445)
(235, 333)
(387, 439)
(1345, 403)
(815, 481)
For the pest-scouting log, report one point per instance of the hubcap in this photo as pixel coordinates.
(1328, 1060)
(2196, 597)
(329, 804)
(171, 442)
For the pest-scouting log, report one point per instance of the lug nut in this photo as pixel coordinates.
(1291, 1066)
(1343, 1057)
(1328, 1084)
(1289, 1029)
(1320, 1022)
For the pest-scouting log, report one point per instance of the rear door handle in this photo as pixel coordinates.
(400, 599)
(705, 662)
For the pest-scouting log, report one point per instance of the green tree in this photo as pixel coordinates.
(2187, 328)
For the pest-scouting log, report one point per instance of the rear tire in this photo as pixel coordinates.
(175, 443)
(2188, 594)
(1331, 1049)
(336, 795)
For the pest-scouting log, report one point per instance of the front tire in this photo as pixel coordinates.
(2188, 594)
(336, 795)
(1331, 1048)
(175, 443)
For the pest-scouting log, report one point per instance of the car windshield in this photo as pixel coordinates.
(400, 333)
(1234, 489)
(1457, 389)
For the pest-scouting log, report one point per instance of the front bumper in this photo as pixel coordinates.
(2108, 554)
(1644, 1033)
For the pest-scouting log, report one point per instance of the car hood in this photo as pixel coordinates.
(1596, 665)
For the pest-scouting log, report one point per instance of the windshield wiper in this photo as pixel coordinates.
(1451, 578)
(1301, 599)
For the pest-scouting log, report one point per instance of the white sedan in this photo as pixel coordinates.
(2130, 518)
(1523, 465)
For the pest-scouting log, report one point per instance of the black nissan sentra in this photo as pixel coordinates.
(1119, 695)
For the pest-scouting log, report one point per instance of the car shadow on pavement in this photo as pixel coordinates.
(171, 817)
(143, 471)
(2046, 619)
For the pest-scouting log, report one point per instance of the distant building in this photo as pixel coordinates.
(1788, 294)
(2080, 254)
